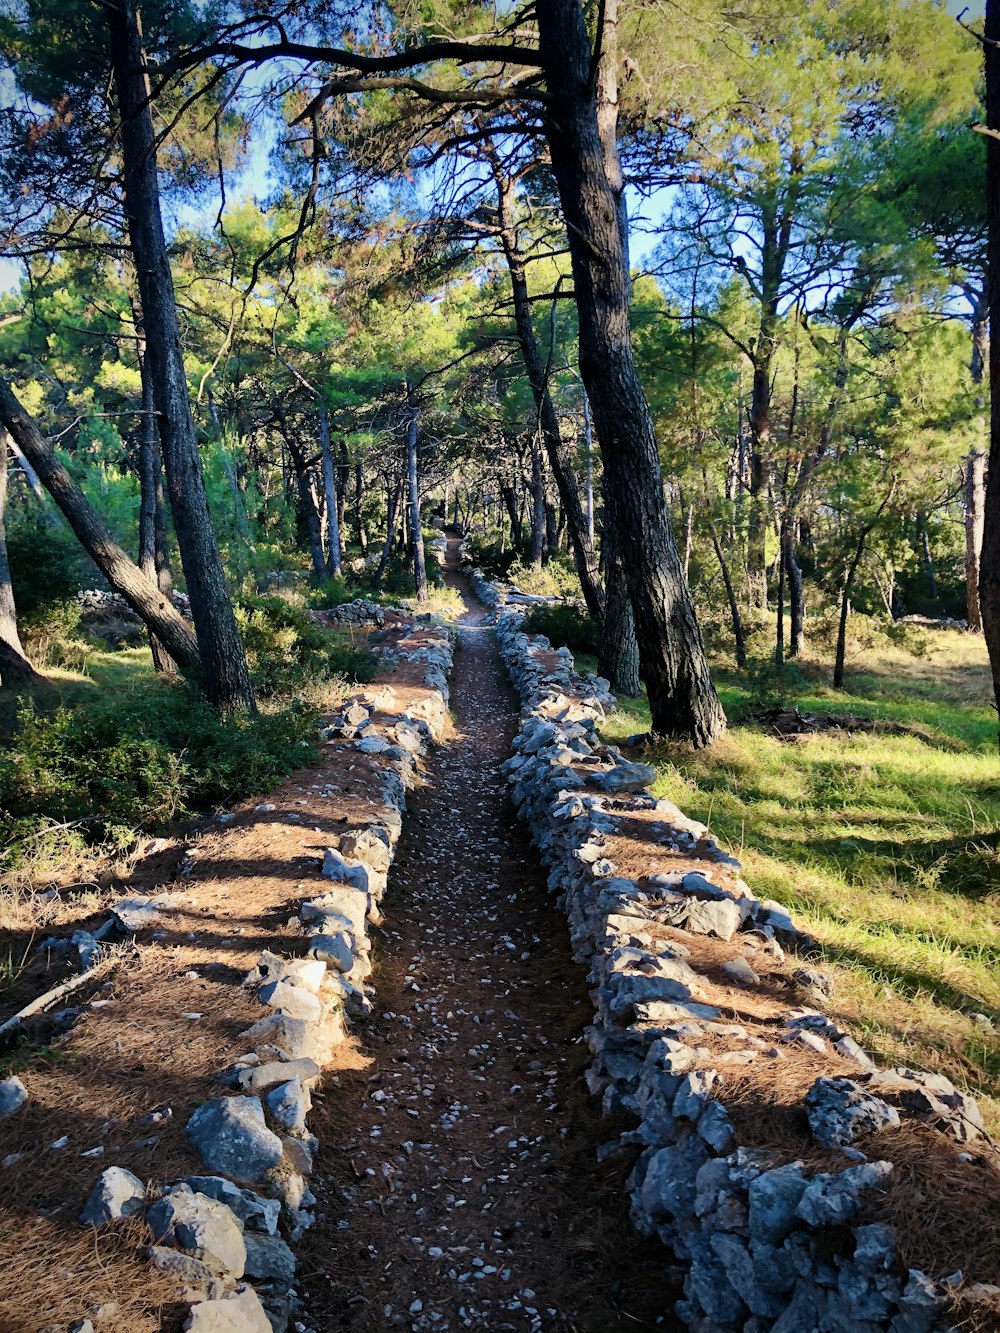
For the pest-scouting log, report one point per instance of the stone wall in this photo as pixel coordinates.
(676, 948)
(227, 1234)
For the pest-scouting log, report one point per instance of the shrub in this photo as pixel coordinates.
(47, 565)
(769, 685)
(54, 636)
(564, 626)
(557, 578)
(287, 650)
(142, 759)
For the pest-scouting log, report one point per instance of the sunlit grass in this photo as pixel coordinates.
(886, 847)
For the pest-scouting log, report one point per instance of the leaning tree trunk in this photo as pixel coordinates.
(413, 483)
(579, 525)
(975, 500)
(153, 608)
(15, 669)
(225, 674)
(683, 701)
(361, 536)
(151, 510)
(618, 655)
(393, 498)
(334, 565)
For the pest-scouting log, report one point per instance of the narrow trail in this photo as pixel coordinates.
(457, 1182)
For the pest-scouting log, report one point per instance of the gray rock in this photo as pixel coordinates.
(257, 1078)
(269, 1259)
(230, 1136)
(238, 1311)
(184, 1267)
(840, 1111)
(13, 1095)
(628, 991)
(920, 1305)
(833, 1200)
(201, 1227)
(344, 871)
(720, 917)
(117, 1193)
(774, 1197)
(740, 971)
(252, 1209)
(334, 950)
(716, 1128)
(295, 1001)
(372, 745)
(288, 1105)
(626, 776)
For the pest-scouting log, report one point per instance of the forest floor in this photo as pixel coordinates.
(883, 840)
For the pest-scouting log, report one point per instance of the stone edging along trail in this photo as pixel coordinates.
(223, 1235)
(778, 1163)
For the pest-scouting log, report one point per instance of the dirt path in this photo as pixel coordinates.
(457, 1182)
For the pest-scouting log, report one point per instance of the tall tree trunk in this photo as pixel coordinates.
(989, 563)
(307, 507)
(580, 528)
(413, 482)
(845, 611)
(151, 550)
(975, 501)
(361, 536)
(537, 504)
(153, 607)
(334, 565)
(796, 598)
(733, 600)
(928, 559)
(393, 497)
(225, 674)
(779, 630)
(343, 475)
(15, 669)
(683, 701)
(618, 655)
(510, 504)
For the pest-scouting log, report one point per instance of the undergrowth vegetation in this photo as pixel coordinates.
(886, 846)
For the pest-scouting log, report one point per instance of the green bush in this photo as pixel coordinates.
(47, 565)
(769, 685)
(287, 650)
(494, 562)
(54, 636)
(564, 626)
(141, 759)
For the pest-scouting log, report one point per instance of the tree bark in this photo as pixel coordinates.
(413, 482)
(975, 500)
(989, 563)
(618, 655)
(683, 701)
(152, 607)
(151, 549)
(334, 564)
(225, 675)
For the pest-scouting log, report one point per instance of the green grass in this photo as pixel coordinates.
(886, 847)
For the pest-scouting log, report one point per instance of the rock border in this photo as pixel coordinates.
(226, 1234)
(765, 1245)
